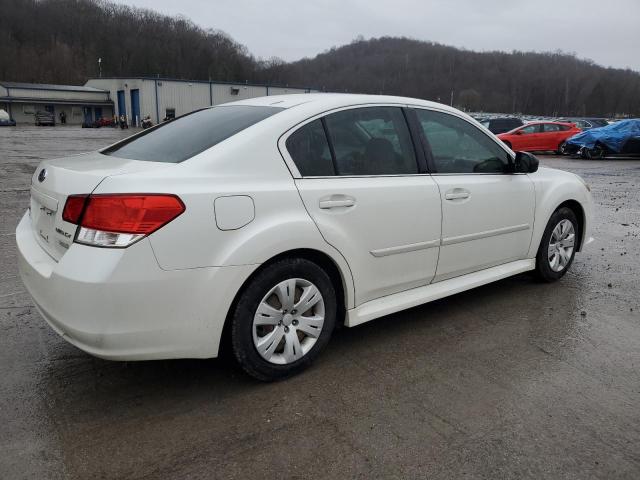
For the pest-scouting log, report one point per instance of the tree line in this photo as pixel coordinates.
(59, 41)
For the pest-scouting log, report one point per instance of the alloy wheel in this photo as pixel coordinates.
(561, 245)
(288, 321)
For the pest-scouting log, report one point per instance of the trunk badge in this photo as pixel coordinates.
(42, 175)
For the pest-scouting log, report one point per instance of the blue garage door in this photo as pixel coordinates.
(87, 115)
(98, 113)
(135, 107)
(122, 109)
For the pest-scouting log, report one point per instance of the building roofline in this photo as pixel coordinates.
(50, 87)
(56, 101)
(214, 82)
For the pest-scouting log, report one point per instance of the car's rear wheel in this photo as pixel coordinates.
(562, 149)
(283, 318)
(558, 244)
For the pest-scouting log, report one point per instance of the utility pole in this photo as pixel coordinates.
(452, 98)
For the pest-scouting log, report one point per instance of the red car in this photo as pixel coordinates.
(539, 136)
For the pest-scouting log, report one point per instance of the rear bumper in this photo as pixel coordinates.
(119, 304)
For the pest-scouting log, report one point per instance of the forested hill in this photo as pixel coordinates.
(537, 83)
(59, 41)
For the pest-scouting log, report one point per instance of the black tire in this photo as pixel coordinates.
(543, 269)
(560, 150)
(242, 342)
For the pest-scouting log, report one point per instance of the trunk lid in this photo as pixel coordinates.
(62, 177)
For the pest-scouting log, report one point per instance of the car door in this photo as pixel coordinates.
(487, 213)
(551, 136)
(529, 138)
(358, 176)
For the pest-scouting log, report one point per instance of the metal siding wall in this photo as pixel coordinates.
(148, 100)
(222, 93)
(3, 91)
(285, 90)
(185, 97)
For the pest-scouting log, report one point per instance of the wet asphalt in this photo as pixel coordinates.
(516, 379)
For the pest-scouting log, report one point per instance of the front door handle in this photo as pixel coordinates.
(457, 194)
(336, 201)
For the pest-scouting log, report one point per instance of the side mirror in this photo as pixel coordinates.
(525, 162)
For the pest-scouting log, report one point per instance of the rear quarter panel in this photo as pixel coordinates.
(248, 164)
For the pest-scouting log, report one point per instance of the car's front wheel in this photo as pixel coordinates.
(558, 246)
(283, 318)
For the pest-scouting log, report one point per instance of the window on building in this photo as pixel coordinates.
(28, 109)
(170, 113)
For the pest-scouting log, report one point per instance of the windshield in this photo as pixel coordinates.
(186, 136)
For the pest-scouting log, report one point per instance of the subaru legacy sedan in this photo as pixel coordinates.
(267, 222)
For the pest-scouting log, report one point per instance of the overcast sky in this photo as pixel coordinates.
(607, 32)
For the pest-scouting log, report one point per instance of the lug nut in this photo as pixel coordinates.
(293, 312)
(286, 329)
(295, 322)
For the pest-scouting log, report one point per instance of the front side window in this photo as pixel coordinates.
(459, 147)
(371, 141)
(528, 130)
(191, 134)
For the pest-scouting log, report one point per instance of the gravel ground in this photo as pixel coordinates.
(512, 380)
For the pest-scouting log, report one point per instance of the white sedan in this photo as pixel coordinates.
(266, 222)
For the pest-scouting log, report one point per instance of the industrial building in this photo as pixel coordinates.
(133, 97)
(80, 104)
(162, 98)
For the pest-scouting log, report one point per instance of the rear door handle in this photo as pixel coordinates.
(336, 201)
(457, 194)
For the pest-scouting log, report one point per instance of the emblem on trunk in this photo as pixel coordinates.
(42, 175)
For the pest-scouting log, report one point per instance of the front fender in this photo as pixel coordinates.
(553, 188)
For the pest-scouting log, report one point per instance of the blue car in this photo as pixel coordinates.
(622, 137)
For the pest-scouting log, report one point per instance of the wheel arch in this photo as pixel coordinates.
(578, 211)
(339, 279)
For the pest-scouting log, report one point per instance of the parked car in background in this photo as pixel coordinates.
(5, 119)
(500, 124)
(539, 136)
(275, 218)
(44, 118)
(622, 137)
(101, 122)
(586, 123)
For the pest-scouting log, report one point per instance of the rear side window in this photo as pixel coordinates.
(371, 141)
(361, 141)
(185, 137)
(309, 149)
(551, 127)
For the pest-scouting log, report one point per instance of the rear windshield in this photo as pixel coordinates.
(190, 134)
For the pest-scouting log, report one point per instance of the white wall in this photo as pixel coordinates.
(182, 95)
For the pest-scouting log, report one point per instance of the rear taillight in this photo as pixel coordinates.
(118, 220)
(73, 208)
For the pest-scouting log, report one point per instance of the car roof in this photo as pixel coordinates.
(326, 101)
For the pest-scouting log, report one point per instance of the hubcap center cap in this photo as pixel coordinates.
(287, 319)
